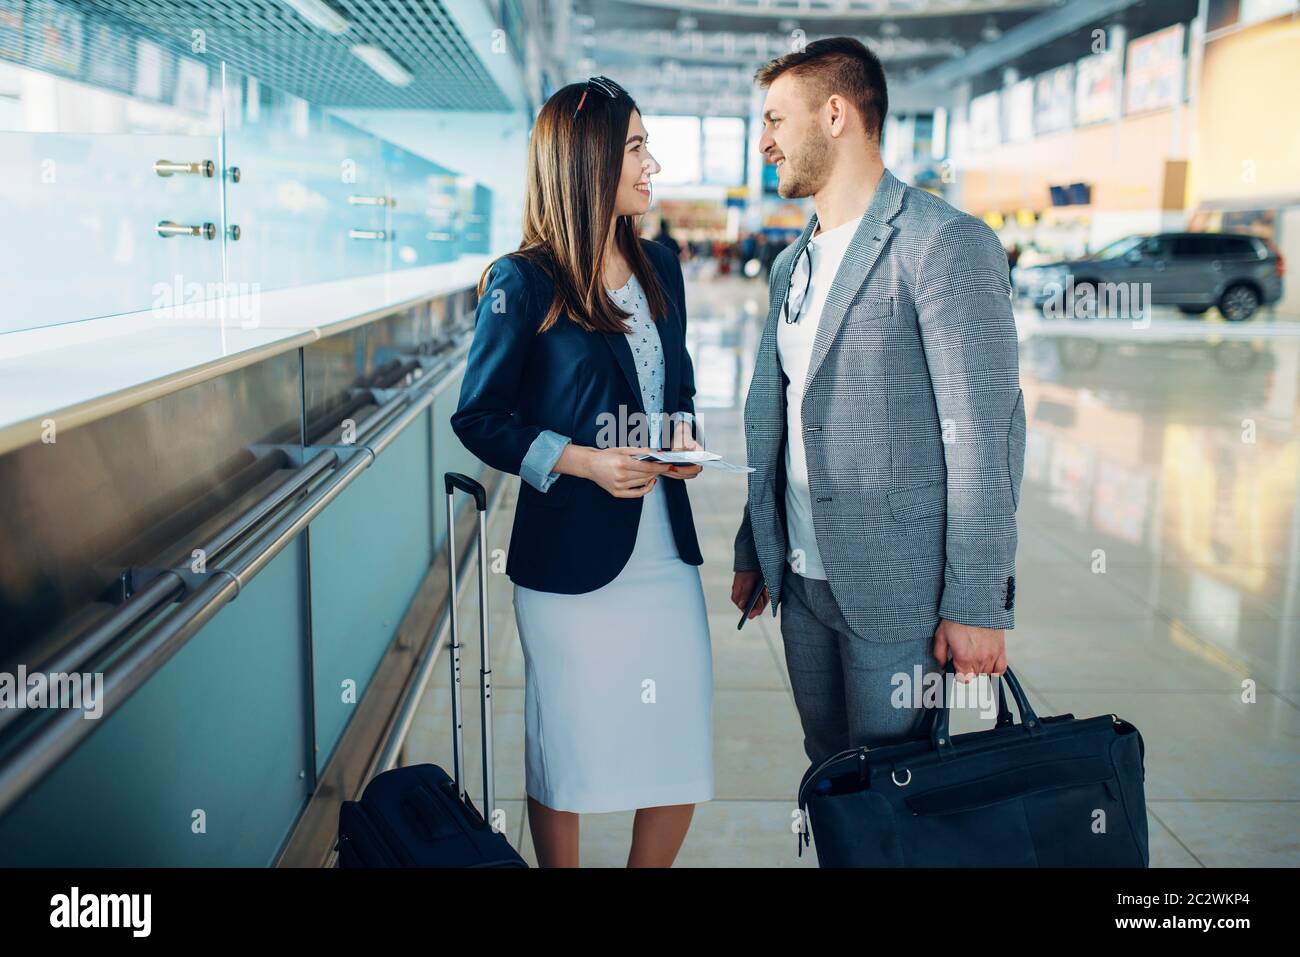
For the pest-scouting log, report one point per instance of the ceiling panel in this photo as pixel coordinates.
(271, 41)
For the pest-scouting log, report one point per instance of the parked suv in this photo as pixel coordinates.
(1193, 271)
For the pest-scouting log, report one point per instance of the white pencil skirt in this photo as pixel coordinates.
(618, 696)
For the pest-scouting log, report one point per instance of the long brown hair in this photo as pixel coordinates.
(574, 167)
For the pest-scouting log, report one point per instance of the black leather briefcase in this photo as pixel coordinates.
(1047, 792)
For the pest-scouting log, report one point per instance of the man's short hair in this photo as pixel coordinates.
(840, 65)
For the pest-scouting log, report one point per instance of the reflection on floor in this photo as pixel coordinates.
(1158, 579)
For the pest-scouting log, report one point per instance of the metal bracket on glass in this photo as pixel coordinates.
(372, 200)
(437, 358)
(376, 395)
(141, 577)
(376, 234)
(300, 455)
(428, 357)
(171, 168)
(131, 581)
(382, 396)
(439, 237)
(119, 589)
(296, 454)
(166, 229)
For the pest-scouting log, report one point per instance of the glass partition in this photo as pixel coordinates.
(135, 175)
(97, 199)
(310, 200)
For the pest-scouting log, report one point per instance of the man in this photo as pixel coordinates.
(884, 421)
(665, 238)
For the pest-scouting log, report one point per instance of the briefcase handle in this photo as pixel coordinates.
(940, 738)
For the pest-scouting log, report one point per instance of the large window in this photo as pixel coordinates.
(675, 143)
(694, 150)
(724, 150)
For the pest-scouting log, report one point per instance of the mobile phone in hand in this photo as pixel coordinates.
(752, 603)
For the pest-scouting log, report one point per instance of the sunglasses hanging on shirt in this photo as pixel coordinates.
(806, 251)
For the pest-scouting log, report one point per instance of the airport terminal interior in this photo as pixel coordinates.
(240, 243)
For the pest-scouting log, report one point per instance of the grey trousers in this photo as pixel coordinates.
(843, 685)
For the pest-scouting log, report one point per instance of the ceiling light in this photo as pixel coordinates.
(320, 14)
(382, 62)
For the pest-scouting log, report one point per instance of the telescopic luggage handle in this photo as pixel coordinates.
(456, 480)
(452, 482)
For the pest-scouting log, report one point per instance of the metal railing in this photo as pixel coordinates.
(258, 534)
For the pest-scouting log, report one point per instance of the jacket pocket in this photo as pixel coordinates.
(1016, 447)
(918, 501)
(869, 310)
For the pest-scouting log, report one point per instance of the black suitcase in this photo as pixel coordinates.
(419, 816)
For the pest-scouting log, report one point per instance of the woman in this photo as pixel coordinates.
(578, 362)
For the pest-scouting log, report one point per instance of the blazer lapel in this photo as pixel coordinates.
(864, 250)
(617, 343)
(766, 360)
(671, 341)
(765, 398)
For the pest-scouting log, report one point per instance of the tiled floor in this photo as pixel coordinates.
(1158, 578)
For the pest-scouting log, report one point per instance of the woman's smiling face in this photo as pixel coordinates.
(633, 197)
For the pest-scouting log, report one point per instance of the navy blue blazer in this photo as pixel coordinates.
(575, 537)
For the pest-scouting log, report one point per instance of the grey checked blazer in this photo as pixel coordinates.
(914, 425)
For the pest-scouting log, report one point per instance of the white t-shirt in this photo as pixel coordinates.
(794, 344)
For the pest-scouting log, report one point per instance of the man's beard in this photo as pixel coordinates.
(806, 175)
